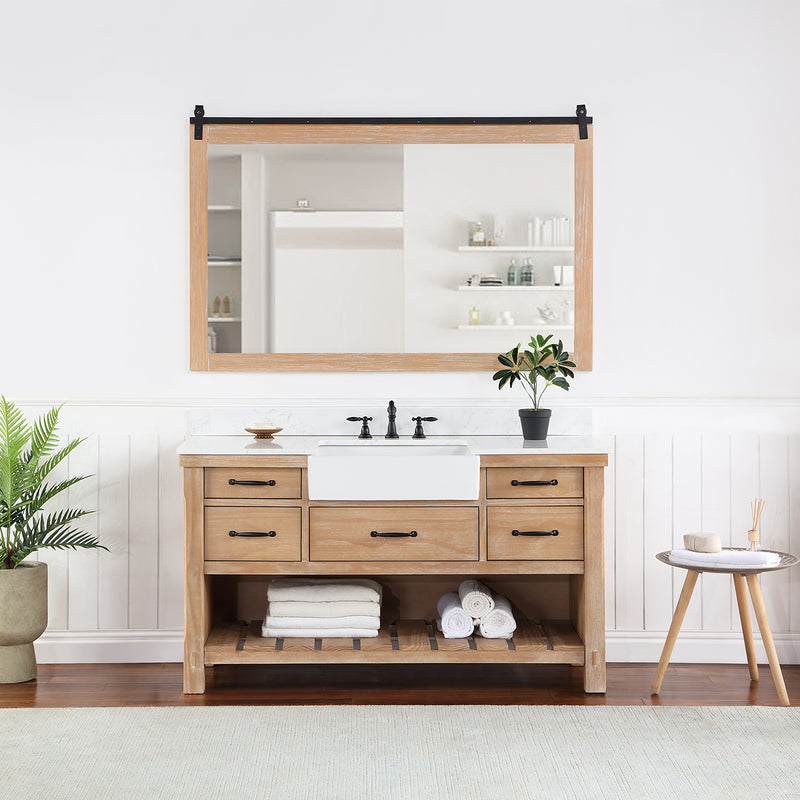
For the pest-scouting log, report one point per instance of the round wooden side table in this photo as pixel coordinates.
(740, 576)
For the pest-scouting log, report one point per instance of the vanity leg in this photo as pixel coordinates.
(747, 625)
(196, 589)
(674, 628)
(590, 586)
(766, 637)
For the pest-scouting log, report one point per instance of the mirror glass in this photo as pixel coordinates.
(389, 248)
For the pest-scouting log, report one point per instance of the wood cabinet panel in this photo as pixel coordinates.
(504, 545)
(281, 526)
(533, 482)
(252, 482)
(353, 534)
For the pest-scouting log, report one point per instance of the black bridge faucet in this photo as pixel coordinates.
(391, 432)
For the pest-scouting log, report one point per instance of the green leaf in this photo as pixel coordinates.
(14, 437)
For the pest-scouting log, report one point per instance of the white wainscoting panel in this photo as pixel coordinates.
(662, 482)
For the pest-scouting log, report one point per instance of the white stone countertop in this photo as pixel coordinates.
(309, 445)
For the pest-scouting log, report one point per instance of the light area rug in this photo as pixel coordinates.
(408, 752)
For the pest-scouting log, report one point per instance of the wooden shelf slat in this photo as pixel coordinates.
(418, 641)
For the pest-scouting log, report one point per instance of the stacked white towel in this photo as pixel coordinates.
(726, 559)
(499, 623)
(323, 608)
(476, 598)
(454, 622)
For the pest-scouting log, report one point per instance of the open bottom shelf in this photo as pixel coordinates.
(407, 641)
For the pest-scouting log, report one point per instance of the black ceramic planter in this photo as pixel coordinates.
(534, 422)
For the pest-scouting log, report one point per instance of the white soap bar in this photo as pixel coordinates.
(702, 542)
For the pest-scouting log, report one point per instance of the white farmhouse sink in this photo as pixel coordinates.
(393, 470)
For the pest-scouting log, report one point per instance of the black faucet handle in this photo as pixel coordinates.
(418, 432)
(365, 434)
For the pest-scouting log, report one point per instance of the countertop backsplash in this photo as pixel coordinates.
(490, 419)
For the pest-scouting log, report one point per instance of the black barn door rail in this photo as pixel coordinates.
(580, 119)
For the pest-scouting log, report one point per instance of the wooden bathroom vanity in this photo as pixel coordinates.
(554, 581)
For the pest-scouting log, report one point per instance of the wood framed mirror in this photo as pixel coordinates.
(387, 244)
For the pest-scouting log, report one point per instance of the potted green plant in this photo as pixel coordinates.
(544, 364)
(28, 456)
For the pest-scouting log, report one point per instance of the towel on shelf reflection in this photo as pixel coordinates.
(499, 623)
(333, 608)
(318, 633)
(324, 589)
(726, 559)
(454, 622)
(476, 598)
(322, 623)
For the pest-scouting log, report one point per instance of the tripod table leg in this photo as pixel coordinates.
(747, 625)
(674, 628)
(766, 637)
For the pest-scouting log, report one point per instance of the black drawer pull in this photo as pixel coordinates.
(534, 533)
(234, 482)
(393, 534)
(553, 482)
(252, 533)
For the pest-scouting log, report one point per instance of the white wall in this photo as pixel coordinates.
(695, 196)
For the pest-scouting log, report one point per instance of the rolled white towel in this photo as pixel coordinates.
(454, 622)
(324, 589)
(333, 608)
(726, 559)
(702, 542)
(476, 598)
(322, 622)
(319, 633)
(499, 623)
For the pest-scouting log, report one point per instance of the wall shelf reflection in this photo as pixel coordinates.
(542, 327)
(511, 249)
(542, 288)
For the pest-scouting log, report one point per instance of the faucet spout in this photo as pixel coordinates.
(391, 432)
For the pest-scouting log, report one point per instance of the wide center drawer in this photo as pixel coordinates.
(394, 534)
(252, 482)
(533, 534)
(530, 482)
(252, 534)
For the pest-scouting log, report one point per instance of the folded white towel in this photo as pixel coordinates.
(319, 633)
(476, 598)
(702, 542)
(324, 589)
(334, 608)
(454, 622)
(725, 559)
(322, 622)
(499, 623)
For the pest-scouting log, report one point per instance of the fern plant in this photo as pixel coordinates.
(545, 364)
(28, 455)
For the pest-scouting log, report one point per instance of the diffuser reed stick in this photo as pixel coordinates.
(756, 506)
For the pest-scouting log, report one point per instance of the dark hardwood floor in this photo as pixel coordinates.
(81, 685)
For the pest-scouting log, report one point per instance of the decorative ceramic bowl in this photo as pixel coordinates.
(262, 430)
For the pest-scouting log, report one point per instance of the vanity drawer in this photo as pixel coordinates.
(280, 529)
(504, 545)
(252, 482)
(351, 534)
(534, 482)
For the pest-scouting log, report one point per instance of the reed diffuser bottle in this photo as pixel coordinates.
(756, 506)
